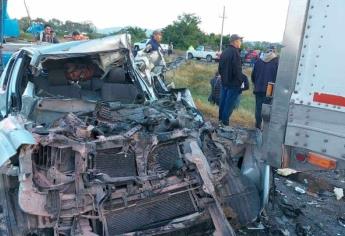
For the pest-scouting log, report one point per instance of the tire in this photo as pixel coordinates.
(209, 58)
(190, 56)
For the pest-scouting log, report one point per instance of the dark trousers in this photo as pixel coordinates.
(228, 98)
(260, 98)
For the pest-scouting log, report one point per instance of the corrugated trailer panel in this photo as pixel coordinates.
(317, 106)
(321, 71)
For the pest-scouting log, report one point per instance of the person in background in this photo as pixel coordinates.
(230, 70)
(216, 87)
(265, 71)
(76, 36)
(170, 48)
(154, 43)
(47, 35)
(154, 50)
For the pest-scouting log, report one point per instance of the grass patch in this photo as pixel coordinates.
(196, 77)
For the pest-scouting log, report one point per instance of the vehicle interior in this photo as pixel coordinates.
(71, 81)
(83, 79)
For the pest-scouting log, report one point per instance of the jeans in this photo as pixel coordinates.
(228, 99)
(238, 101)
(260, 98)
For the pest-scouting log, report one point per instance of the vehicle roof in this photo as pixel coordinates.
(60, 50)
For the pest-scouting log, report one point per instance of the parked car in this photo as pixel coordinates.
(251, 57)
(142, 44)
(202, 52)
(91, 146)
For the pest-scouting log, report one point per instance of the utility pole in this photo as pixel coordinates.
(221, 34)
(27, 11)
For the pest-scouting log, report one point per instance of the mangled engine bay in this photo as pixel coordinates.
(106, 167)
(123, 168)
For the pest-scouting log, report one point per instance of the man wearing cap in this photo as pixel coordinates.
(265, 71)
(230, 70)
(154, 43)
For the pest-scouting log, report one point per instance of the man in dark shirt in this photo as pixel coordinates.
(230, 70)
(265, 71)
(154, 43)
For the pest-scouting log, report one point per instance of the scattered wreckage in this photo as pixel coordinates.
(92, 144)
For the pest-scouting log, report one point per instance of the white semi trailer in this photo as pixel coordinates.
(304, 128)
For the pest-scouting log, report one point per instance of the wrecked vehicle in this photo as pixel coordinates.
(88, 148)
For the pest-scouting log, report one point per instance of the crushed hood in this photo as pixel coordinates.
(12, 136)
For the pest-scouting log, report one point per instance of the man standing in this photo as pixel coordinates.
(154, 43)
(47, 35)
(230, 70)
(154, 49)
(170, 48)
(265, 71)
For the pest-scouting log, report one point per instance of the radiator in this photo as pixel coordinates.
(153, 213)
(115, 163)
(167, 156)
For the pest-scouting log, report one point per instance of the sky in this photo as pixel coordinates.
(255, 20)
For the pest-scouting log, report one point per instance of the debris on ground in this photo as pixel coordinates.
(289, 210)
(300, 190)
(339, 193)
(341, 221)
(286, 171)
(303, 230)
(317, 212)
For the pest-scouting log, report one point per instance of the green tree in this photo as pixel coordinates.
(137, 34)
(184, 31)
(24, 23)
(62, 28)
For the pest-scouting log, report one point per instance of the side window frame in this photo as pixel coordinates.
(4, 79)
(6, 73)
(9, 82)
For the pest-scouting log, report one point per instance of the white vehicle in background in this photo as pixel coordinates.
(203, 52)
(142, 44)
